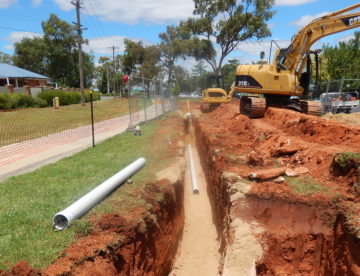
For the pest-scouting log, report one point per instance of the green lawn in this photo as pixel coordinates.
(28, 202)
(25, 124)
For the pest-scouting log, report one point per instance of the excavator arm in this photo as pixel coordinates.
(293, 58)
(286, 76)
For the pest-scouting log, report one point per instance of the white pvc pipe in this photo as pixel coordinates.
(194, 182)
(80, 207)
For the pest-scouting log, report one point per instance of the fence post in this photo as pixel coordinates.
(145, 108)
(129, 98)
(92, 119)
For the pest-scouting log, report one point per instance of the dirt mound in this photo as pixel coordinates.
(21, 269)
(309, 214)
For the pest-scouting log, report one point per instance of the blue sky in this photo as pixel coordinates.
(110, 21)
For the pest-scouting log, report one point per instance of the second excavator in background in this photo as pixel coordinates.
(286, 81)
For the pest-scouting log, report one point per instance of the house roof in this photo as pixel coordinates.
(11, 71)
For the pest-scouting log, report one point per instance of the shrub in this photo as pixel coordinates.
(25, 100)
(9, 101)
(44, 98)
(96, 96)
(3, 101)
(65, 97)
(38, 102)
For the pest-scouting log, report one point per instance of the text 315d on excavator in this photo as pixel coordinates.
(290, 72)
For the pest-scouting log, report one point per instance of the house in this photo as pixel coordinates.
(18, 77)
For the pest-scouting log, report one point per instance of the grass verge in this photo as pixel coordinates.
(305, 185)
(28, 202)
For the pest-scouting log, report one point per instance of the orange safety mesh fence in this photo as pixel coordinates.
(27, 131)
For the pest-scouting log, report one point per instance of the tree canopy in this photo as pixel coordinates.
(55, 54)
(174, 45)
(226, 24)
(343, 60)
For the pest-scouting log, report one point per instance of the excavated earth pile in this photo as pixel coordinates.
(284, 191)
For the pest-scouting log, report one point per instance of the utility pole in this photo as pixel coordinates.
(108, 81)
(113, 51)
(81, 65)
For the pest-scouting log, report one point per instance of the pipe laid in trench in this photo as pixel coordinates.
(194, 182)
(63, 219)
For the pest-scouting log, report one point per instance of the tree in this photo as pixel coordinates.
(6, 58)
(229, 71)
(142, 62)
(102, 73)
(199, 69)
(226, 23)
(343, 60)
(30, 54)
(173, 46)
(54, 54)
(60, 38)
(198, 76)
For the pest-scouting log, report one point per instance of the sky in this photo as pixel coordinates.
(108, 22)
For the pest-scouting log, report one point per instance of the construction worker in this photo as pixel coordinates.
(137, 131)
(187, 122)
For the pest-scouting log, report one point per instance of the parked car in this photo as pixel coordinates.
(195, 95)
(337, 102)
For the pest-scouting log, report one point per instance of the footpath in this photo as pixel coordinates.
(29, 155)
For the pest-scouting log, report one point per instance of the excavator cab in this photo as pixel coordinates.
(309, 79)
(214, 94)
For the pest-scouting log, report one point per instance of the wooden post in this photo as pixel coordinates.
(10, 88)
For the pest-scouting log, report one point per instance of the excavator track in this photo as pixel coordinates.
(253, 107)
(311, 108)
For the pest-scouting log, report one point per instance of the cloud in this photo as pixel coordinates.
(255, 47)
(64, 4)
(6, 3)
(149, 11)
(36, 3)
(304, 20)
(292, 2)
(345, 38)
(102, 45)
(14, 37)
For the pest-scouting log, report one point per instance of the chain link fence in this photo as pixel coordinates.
(343, 85)
(30, 130)
(148, 99)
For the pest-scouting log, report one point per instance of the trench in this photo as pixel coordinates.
(198, 252)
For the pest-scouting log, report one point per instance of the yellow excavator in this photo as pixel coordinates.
(215, 94)
(286, 81)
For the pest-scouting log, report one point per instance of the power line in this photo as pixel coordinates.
(97, 18)
(18, 30)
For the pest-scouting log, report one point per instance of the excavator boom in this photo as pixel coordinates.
(286, 76)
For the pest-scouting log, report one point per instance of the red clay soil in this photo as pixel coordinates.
(306, 233)
(144, 243)
(121, 246)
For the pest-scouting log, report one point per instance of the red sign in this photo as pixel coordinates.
(125, 78)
